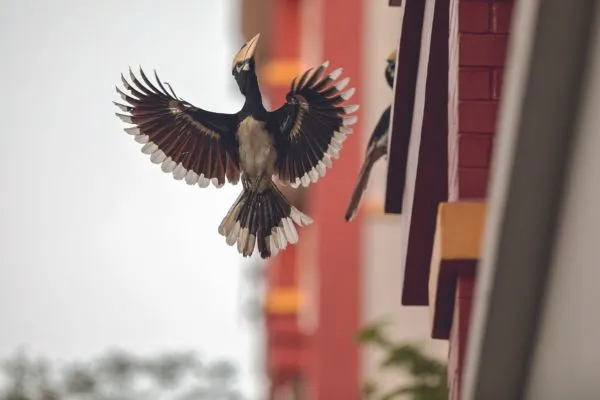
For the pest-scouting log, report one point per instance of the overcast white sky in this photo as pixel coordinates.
(98, 247)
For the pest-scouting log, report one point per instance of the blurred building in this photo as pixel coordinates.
(341, 275)
(494, 136)
(479, 233)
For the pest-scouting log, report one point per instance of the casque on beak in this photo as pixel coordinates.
(246, 52)
(392, 56)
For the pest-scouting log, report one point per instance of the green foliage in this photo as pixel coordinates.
(429, 374)
(373, 334)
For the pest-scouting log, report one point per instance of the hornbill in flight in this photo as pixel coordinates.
(377, 146)
(295, 144)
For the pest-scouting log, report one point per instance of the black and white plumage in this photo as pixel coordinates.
(377, 147)
(295, 143)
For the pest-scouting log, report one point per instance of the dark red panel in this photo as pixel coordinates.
(474, 83)
(431, 185)
(482, 50)
(501, 13)
(497, 81)
(474, 150)
(472, 183)
(474, 17)
(465, 286)
(450, 271)
(404, 97)
(477, 116)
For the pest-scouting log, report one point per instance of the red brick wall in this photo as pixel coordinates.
(459, 333)
(477, 50)
(478, 41)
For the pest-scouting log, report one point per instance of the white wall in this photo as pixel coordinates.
(382, 29)
(382, 274)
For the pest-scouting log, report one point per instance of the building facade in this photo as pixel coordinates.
(450, 245)
(341, 276)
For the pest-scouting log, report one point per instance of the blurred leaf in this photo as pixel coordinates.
(15, 395)
(222, 371)
(119, 375)
(373, 334)
(79, 379)
(428, 374)
(414, 360)
(369, 388)
(198, 393)
(419, 391)
(118, 367)
(49, 394)
(170, 369)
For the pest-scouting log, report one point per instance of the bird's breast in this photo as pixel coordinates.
(256, 148)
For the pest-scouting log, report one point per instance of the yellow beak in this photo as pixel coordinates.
(392, 56)
(246, 52)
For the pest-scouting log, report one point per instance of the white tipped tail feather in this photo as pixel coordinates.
(263, 219)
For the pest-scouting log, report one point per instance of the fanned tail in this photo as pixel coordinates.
(262, 219)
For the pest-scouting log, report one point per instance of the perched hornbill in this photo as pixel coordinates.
(294, 143)
(377, 146)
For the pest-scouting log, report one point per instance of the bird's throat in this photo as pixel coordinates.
(253, 96)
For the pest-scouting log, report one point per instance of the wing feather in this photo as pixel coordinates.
(189, 142)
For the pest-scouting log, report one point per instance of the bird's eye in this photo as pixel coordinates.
(246, 66)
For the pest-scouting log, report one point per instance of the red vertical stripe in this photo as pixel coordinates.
(336, 355)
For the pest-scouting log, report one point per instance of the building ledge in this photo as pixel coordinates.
(456, 250)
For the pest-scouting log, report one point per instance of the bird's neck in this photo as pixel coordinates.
(253, 102)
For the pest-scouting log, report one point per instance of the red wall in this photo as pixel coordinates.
(333, 351)
(477, 45)
(478, 42)
(327, 359)
(285, 343)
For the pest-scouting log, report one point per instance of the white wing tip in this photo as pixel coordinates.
(342, 84)
(348, 93)
(336, 73)
(350, 120)
(351, 109)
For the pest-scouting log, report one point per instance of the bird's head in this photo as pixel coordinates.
(390, 69)
(242, 66)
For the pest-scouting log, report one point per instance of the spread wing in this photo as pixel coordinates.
(310, 127)
(196, 145)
